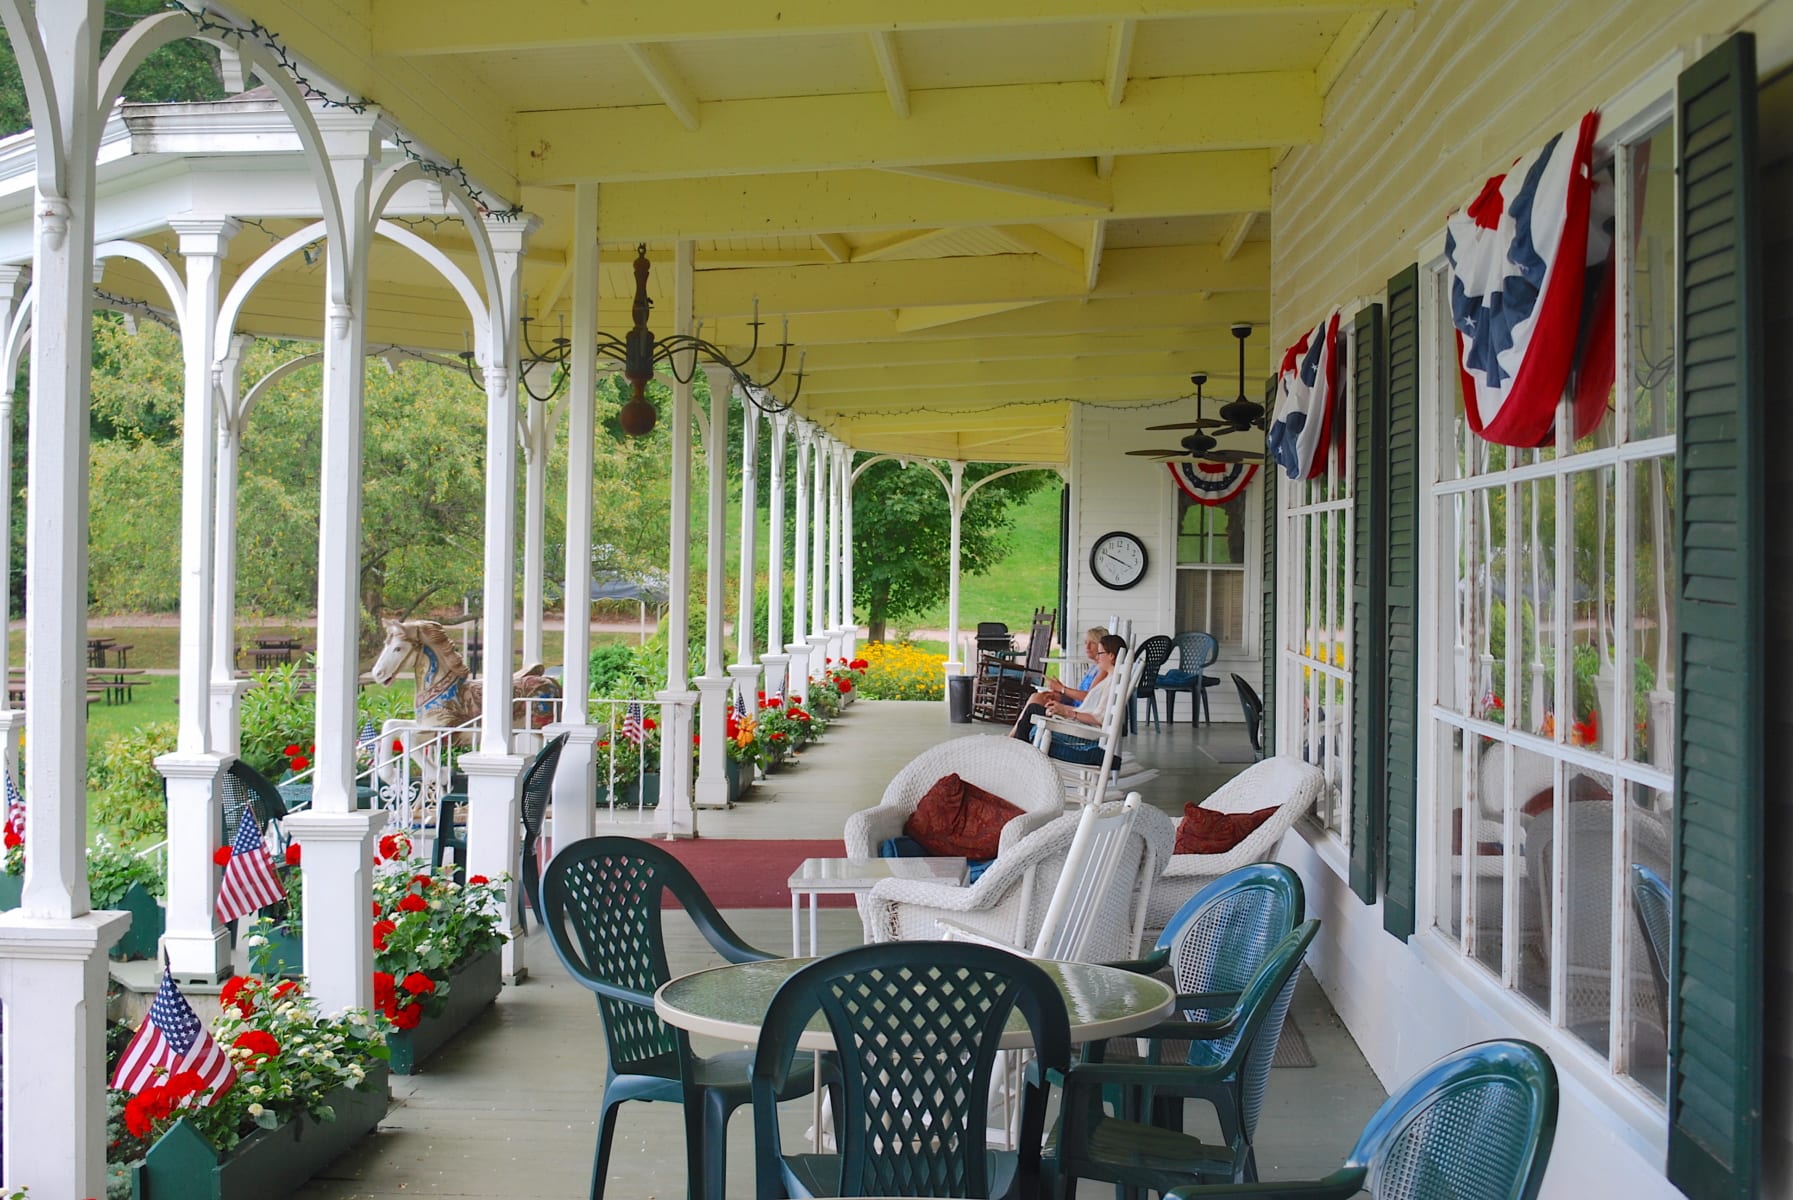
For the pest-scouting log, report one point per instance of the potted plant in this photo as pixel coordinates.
(436, 962)
(276, 941)
(120, 879)
(12, 878)
(307, 1087)
(628, 760)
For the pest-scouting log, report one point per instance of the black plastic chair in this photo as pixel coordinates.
(1253, 705)
(1475, 1125)
(1650, 897)
(247, 788)
(1130, 1154)
(538, 794)
(1153, 653)
(916, 1026)
(601, 901)
(1196, 652)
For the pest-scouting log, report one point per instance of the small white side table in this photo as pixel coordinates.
(819, 877)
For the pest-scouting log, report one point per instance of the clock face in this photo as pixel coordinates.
(1118, 560)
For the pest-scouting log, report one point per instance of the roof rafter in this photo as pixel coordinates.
(1035, 240)
(1235, 235)
(657, 69)
(891, 68)
(1120, 61)
(951, 125)
(1069, 180)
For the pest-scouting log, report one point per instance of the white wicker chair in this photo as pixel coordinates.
(1002, 766)
(1288, 783)
(1009, 904)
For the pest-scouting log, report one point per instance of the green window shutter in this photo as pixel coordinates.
(1369, 591)
(1401, 604)
(1715, 1018)
(1268, 643)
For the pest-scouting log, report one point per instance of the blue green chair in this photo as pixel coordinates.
(1238, 1049)
(538, 794)
(601, 901)
(1650, 896)
(1475, 1125)
(916, 1027)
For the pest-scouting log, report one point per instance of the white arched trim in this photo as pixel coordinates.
(445, 266)
(16, 335)
(253, 274)
(158, 266)
(1014, 470)
(395, 177)
(240, 418)
(34, 72)
(151, 34)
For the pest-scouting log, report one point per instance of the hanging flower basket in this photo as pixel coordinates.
(472, 987)
(268, 1163)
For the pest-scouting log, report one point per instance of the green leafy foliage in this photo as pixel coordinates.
(124, 786)
(112, 869)
(276, 713)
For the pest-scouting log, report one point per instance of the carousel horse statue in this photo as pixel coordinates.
(447, 694)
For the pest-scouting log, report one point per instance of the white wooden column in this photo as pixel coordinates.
(575, 779)
(796, 681)
(52, 948)
(537, 420)
(195, 943)
(818, 562)
(713, 685)
(746, 669)
(677, 817)
(777, 658)
(850, 644)
(12, 720)
(227, 690)
(338, 840)
(494, 773)
(837, 621)
(955, 499)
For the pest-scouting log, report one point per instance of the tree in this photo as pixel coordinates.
(902, 535)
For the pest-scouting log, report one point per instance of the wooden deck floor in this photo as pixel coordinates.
(508, 1109)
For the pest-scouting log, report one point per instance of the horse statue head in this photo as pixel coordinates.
(447, 695)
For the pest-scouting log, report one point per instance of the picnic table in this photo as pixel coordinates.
(115, 682)
(276, 651)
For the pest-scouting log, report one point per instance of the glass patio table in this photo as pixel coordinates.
(731, 1002)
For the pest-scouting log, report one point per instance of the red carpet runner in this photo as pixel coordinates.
(751, 872)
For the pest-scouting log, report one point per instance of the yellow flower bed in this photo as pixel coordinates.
(902, 671)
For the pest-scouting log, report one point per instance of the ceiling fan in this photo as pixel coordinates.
(1237, 415)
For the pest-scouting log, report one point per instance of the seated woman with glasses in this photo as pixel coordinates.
(1058, 689)
(1087, 711)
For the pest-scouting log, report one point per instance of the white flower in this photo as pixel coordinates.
(256, 1089)
(255, 1110)
(256, 939)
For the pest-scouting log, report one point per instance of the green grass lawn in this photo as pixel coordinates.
(1026, 579)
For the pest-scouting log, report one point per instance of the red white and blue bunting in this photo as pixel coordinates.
(1310, 407)
(1531, 292)
(1212, 483)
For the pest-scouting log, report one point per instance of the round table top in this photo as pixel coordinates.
(731, 1002)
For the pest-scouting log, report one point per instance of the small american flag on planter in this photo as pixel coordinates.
(633, 727)
(250, 881)
(15, 808)
(171, 1039)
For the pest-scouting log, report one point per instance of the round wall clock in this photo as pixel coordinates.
(1118, 560)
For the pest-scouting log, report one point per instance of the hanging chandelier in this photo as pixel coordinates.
(641, 354)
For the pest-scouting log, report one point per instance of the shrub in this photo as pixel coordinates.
(111, 870)
(276, 714)
(125, 786)
(902, 671)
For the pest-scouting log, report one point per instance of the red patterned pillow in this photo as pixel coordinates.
(956, 819)
(1204, 831)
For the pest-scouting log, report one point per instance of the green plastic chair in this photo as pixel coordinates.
(538, 794)
(1475, 1125)
(246, 788)
(916, 1027)
(1650, 896)
(1093, 1145)
(601, 901)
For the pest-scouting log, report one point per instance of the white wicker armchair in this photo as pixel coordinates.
(1009, 902)
(1002, 766)
(1288, 783)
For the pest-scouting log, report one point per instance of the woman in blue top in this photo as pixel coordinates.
(1087, 711)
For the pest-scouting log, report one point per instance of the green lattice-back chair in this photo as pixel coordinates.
(1094, 1145)
(601, 901)
(538, 794)
(916, 1027)
(1475, 1125)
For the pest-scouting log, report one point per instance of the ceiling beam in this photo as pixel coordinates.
(839, 249)
(913, 320)
(658, 70)
(1234, 237)
(1201, 183)
(1111, 391)
(1344, 48)
(897, 243)
(1045, 417)
(1067, 180)
(1204, 350)
(951, 125)
(1173, 366)
(1092, 258)
(422, 27)
(1120, 61)
(1034, 240)
(891, 69)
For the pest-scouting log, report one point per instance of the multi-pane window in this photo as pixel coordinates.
(1211, 570)
(1550, 714)
(1315, 668)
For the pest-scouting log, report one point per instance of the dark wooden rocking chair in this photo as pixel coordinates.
(1006, 678)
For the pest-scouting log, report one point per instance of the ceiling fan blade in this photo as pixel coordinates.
(1159, 453)
(1205, 423)
(1235, 456)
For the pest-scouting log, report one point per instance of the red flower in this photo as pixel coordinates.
(291, 750)
(260, 1044)
(419, 984)
(376, 910)
(694, 738)
(382, 931)
(1585, 733)
(423, 882)
(221, 855)
(141, 1110)
(859, 664)
(299, 762)
(284, 988)
(648, 723)
(239, 992)
(796, 701)
(844, 685)
(395, 845)
(407, 1017)
(12, 839)
(476, 880)
(292, 855)
(383, 992)
(398, 746)
(413, 903)
(778, 737)
(774, 702)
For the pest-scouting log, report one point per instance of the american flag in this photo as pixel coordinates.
(15, 807)
(740, 702)
(172, 1039)
(367, 737)
(632, 726)
(250, 881)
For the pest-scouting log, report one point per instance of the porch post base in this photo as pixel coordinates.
(818, 650)
(336, 853)
(575, 782)
(227, 714)
(53, 982)
(712, 782)
(494, 841)
(775, 666)
(678, 819)
(747, 682)
(195, 942)
(796, 675)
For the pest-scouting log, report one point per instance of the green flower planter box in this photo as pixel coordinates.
(629, 795)
(267, 1163)
(148, 922)
(11, 888)
(471, 989)
(286, 952)
(739, 776)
